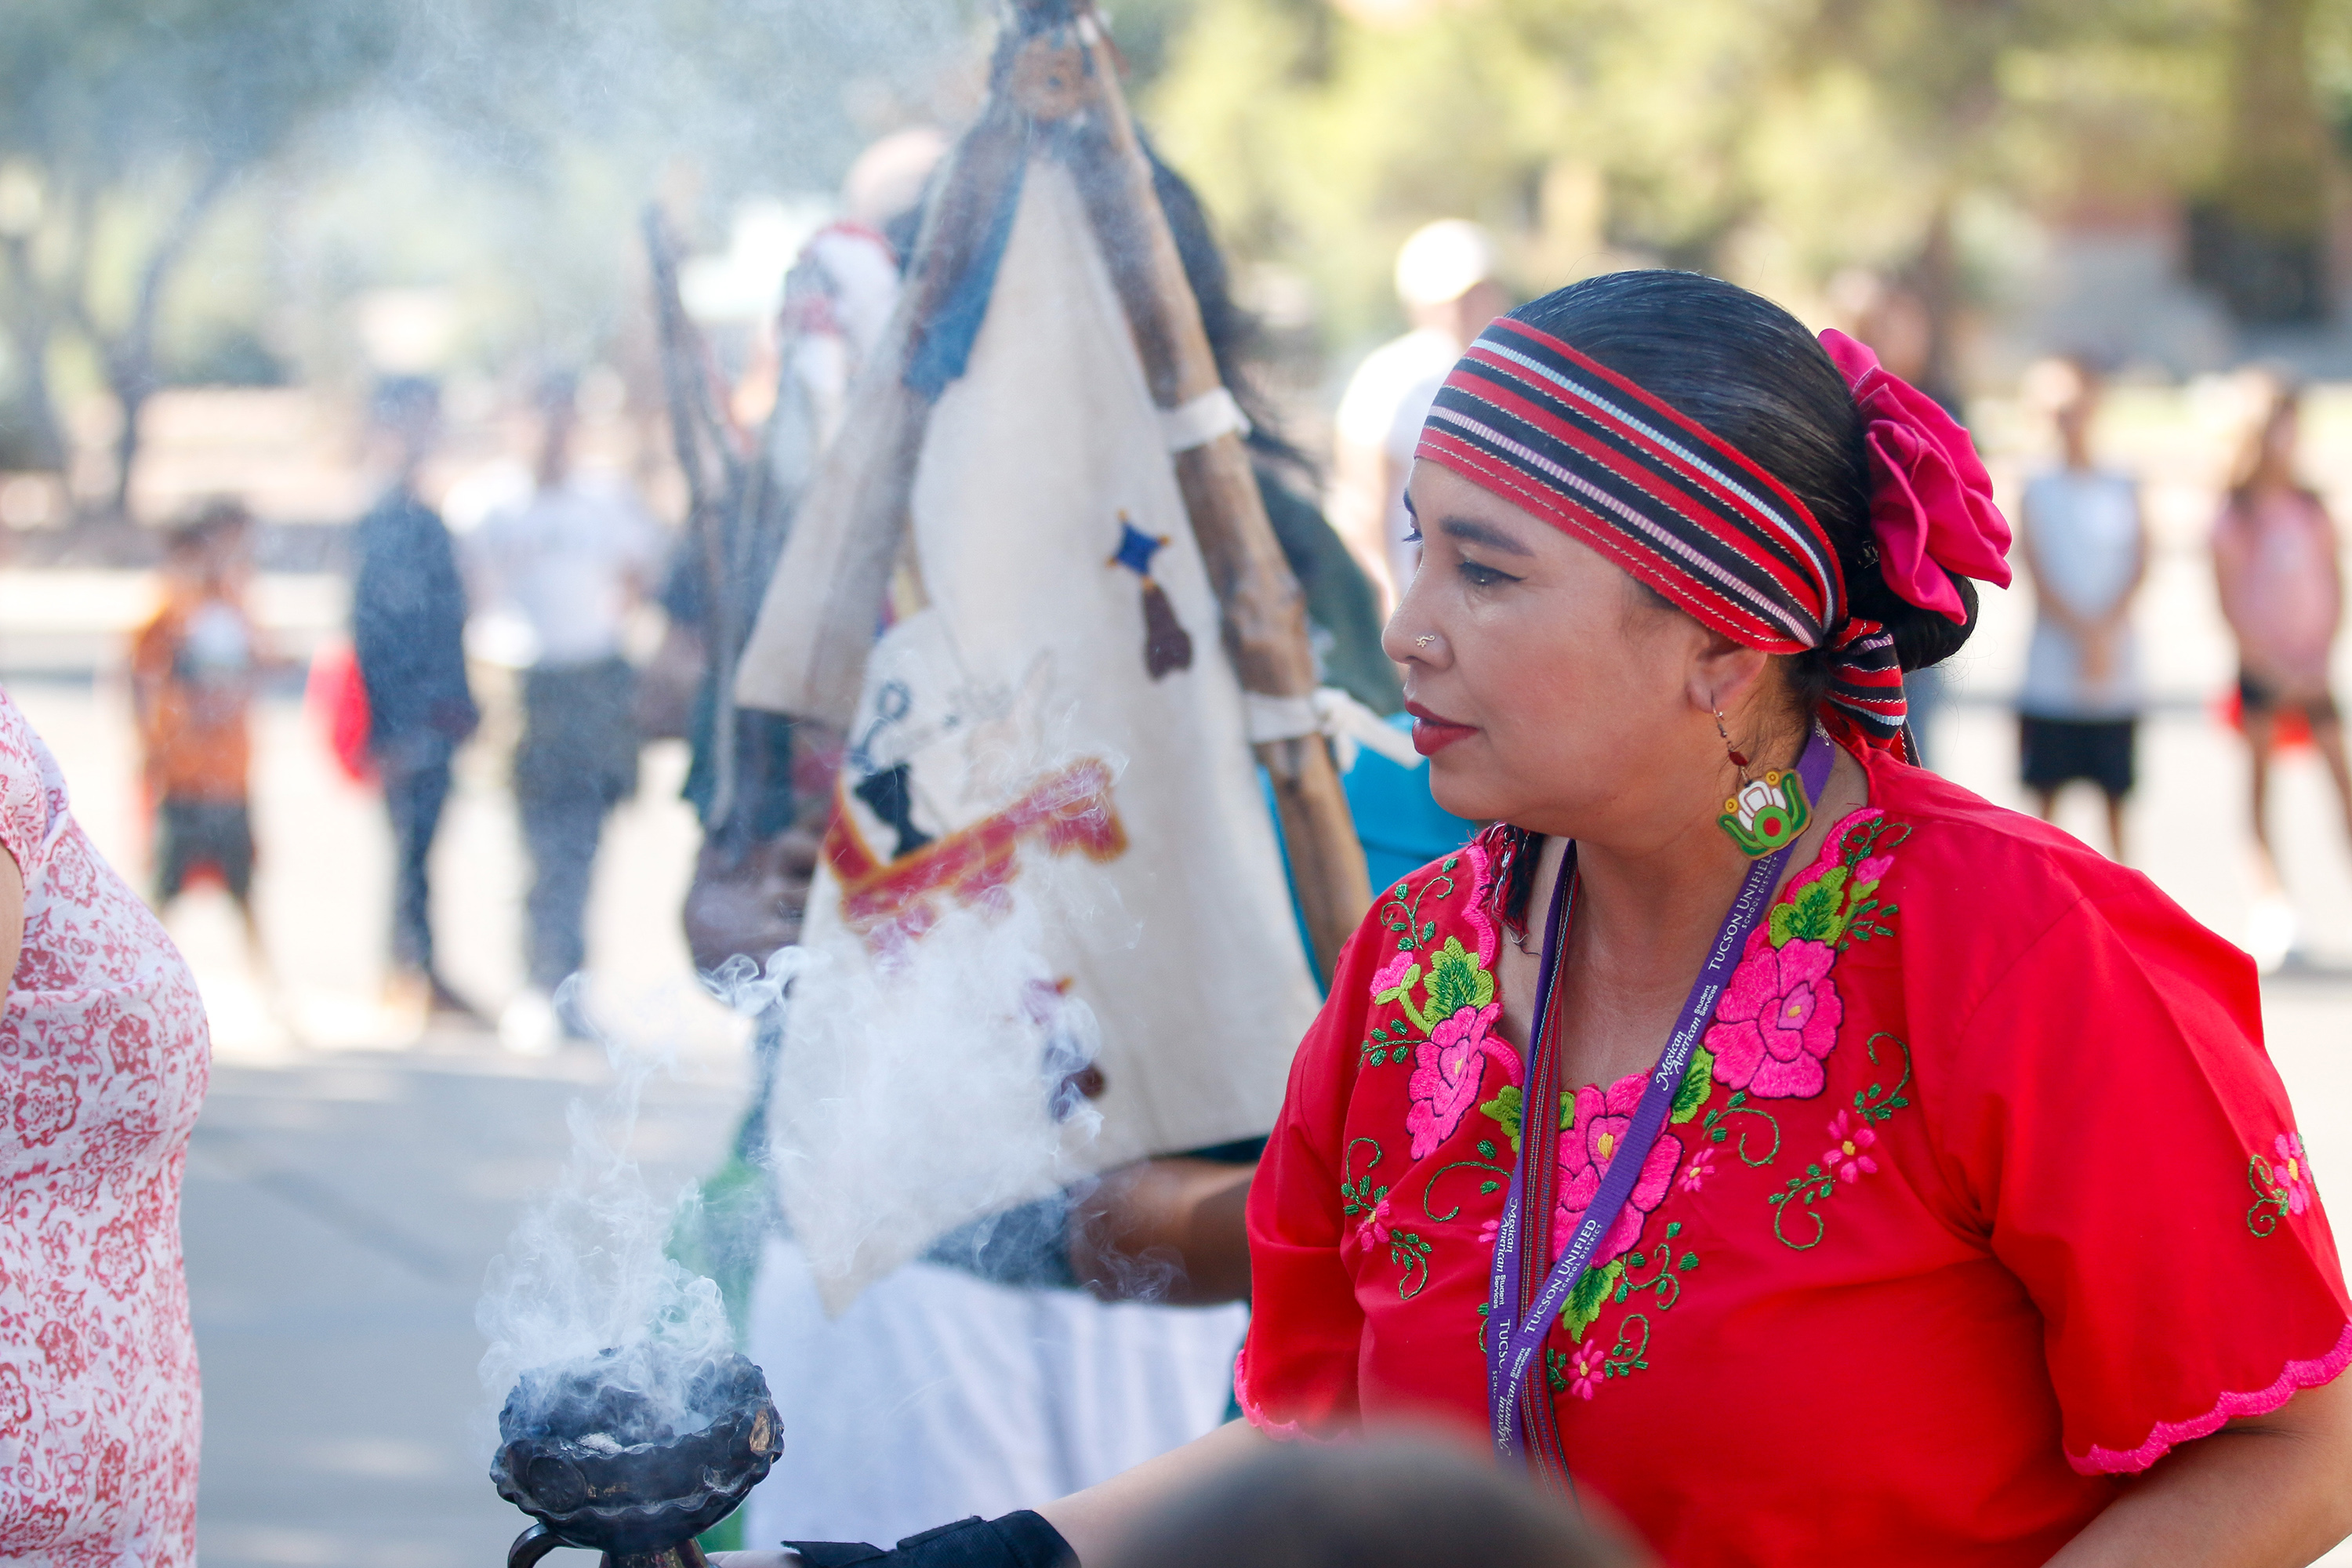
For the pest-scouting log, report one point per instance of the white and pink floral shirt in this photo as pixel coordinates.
(104, 1058)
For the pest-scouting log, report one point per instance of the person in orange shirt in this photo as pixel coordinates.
(193, 673)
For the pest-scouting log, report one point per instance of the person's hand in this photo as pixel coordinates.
(2101, 644)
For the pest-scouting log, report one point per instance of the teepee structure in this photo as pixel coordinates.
(1049, 844)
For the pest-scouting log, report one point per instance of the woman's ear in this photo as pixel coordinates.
(1724, 673)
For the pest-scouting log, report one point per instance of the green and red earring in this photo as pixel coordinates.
(1768, 813)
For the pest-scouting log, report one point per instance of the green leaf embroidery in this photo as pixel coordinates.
(1509, 1107)
(1816, 912)
(1412, 978)
(1456, 981)
(1584, 1302)
(1698, 1082)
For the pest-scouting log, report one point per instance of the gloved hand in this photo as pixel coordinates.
(1016, 1541)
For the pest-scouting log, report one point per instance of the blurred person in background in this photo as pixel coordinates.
(408, 628)
(1391, 1503)
(104, 1055)
(194, 670)
(2282, 587)
(1445, 281)
(560, 571)
(2086, 547)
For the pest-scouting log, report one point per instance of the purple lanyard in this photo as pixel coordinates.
(1515, 1340)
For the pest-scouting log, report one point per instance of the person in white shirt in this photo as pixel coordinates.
(557, 573)
(2084, 540)
(1445, 280)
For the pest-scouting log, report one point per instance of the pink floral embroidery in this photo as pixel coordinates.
(1448, 1068)
(1584, 1368)
(1490, 1233)
(1778, 1018)
(1586, 1151)
(1848, 1157)
(1372, 1230)
(1482, 924)
(1390, 975)
(1700, 1167)
(2292, 1171)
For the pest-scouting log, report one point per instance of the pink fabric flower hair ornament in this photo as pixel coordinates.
(1930, 499)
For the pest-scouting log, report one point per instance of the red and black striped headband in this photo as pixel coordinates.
(1526, 416)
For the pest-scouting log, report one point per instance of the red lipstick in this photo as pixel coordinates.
(1433, 732)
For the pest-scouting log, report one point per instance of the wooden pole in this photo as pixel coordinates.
(807, 652)
(1264, 613)
(1054, 75)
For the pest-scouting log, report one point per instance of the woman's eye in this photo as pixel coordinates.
(1479, 577)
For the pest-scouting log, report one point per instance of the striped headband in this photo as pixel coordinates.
(1526, 416)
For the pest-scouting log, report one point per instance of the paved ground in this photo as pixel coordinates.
(351, 1181)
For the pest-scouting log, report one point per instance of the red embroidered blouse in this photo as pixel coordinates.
(1980, 1195)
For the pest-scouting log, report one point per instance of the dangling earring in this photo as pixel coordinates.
(1767, 813)
(1739, 758)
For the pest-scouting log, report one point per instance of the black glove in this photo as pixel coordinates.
(1017, 1540)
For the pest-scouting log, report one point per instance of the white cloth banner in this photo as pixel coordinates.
(1051, 932)
(939, 1396)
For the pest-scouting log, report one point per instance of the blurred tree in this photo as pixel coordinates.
(122, 123)
(1774, 139)
(2259, 237)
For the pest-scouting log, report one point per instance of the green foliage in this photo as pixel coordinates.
(1774, 140)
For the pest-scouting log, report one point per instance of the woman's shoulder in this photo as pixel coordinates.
(1430, 937)
(1980, 885)
(1450, 899)
(1960, 841)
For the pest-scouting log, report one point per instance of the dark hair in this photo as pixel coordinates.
(1751, 374)
(210, 518)
(1385, 1504)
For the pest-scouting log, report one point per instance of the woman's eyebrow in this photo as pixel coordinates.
(1471, 531)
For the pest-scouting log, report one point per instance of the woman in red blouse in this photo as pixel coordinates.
(1936, 1205)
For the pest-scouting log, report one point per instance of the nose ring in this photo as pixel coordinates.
(1422, 642)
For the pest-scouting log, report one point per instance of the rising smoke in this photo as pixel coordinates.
(586, 1297)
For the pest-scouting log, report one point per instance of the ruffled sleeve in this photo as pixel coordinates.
(23, 791)
(2116, 1127)
(1298, 1372)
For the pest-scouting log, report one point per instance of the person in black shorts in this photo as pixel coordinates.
(193, 672)
(2275, 563)
(2083, 541)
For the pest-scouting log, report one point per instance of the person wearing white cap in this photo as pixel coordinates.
(1445, 280)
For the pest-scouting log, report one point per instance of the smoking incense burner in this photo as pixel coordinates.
(598, 1466)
